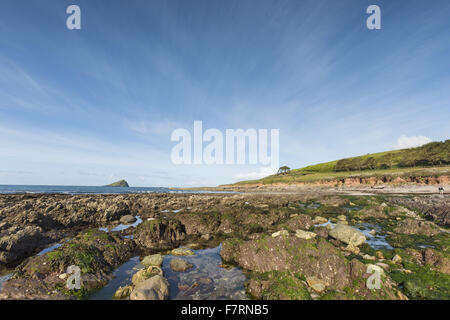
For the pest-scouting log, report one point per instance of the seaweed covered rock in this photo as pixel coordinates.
(159, 233)
(277, 285)
(301, 221)
(152, 260)
(309, 257)
(94, 252)
(412, 226)
(199, 223)
(321, 265)
(21, 244)
(145, 274)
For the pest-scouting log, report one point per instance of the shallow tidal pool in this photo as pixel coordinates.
(204, 281)
(4, 278)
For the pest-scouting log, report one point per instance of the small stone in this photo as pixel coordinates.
(342, 218)
(351, 248)
(206, 237)
(127, 219)
(316, 284)
(284, 233)
(304, 234)
(182, 252)
(152, 260)
(368, 257)
(320, 220)
(373, 232)
(407, 271)
(183, 287)
(63, 276)
(397, 259)
(379, 255)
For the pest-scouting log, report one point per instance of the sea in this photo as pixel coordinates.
(12, 189)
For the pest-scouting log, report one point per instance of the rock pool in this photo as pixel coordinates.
(377, 241)
(206, 280)
(4, 278)
(122, 277)
(122, 226)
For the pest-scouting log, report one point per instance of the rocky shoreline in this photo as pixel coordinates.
(292, 245)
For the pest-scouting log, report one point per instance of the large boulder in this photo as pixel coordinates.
(154, 288)
(159, 233)
(199, 223)
(152, 260)
(347, 235)
(316, 257)
(21, 244)
(301, 221)
(324, 267)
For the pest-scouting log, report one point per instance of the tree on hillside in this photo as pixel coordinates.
(284, 170)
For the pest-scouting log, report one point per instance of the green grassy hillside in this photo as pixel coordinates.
(432, 159)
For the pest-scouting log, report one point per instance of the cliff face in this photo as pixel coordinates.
(121, 183)
(354, 182)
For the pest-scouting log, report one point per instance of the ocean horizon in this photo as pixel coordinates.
(57, 189)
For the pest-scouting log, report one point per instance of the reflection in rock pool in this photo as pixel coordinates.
(352, 208)
(49, 249)
(377, 241)
(122, 227)
(309, 205)
(206, 280)
(122, 278)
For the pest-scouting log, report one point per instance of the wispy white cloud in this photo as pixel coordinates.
(263, 172)
(405, 142)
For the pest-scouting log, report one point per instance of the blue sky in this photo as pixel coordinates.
(95, 105)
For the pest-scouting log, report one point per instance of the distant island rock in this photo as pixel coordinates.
(121, 183)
